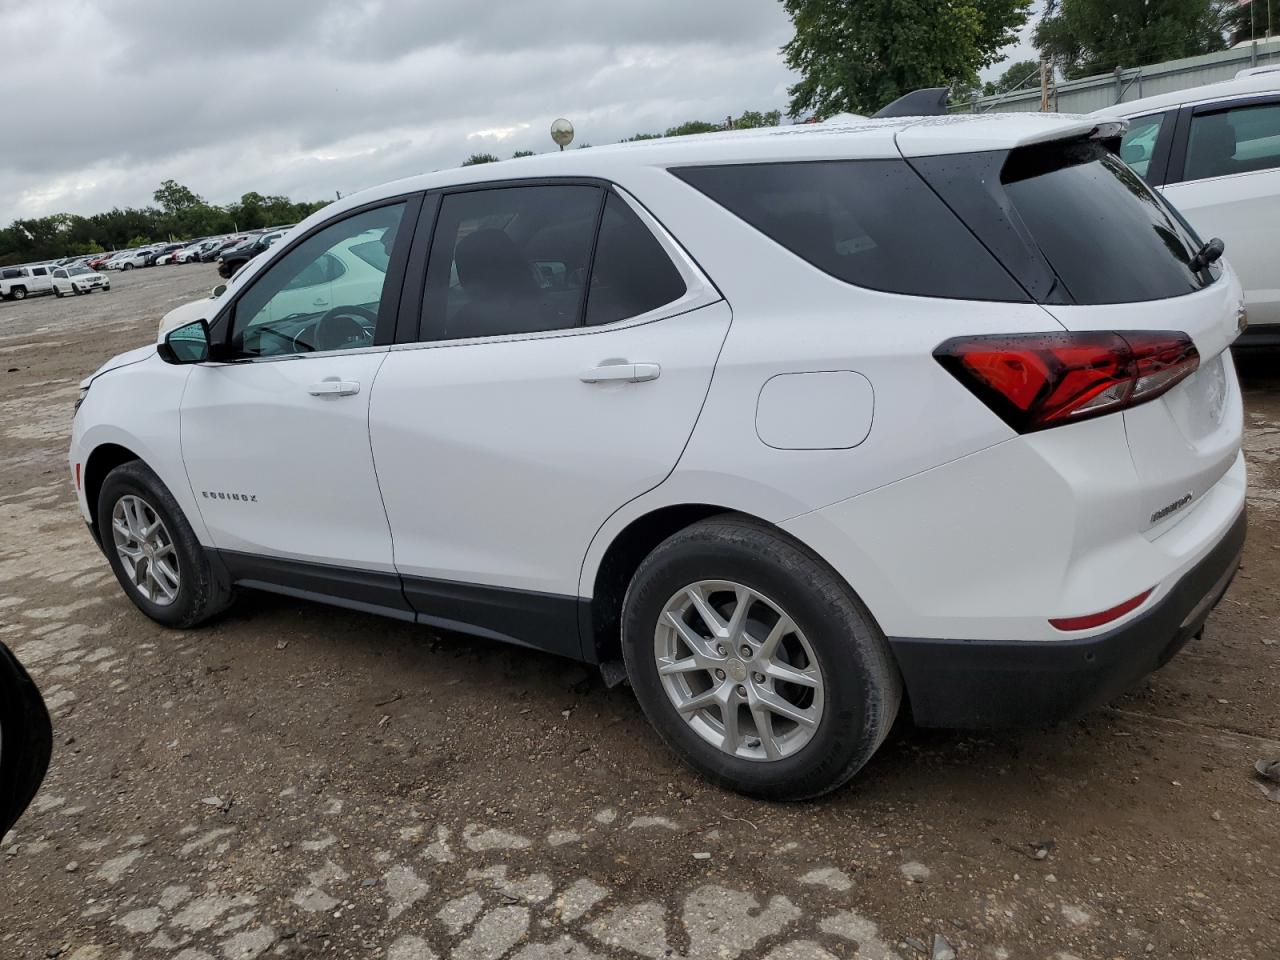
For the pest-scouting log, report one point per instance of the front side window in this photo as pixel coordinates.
(1241, 140)
(60, 274)
(509, 260)
(1139, 142)
(323, 294)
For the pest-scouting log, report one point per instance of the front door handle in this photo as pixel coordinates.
(630, 372)
(334, 388)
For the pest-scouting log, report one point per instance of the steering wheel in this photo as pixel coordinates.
(341, 329)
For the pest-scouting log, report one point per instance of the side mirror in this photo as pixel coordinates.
(219, 290)
(26, 740)
(187, 344)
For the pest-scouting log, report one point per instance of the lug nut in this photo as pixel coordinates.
(742, 691)
(758, 677)
(746, 652)
(719, 674)
(720, 649)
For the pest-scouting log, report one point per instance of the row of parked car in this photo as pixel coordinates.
(79, 275)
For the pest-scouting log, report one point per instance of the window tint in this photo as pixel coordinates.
(509, 260)
(1139, 142)
(304, 303)
(1233, 141)
(11, 274)
(39, 271)
(1107, 235)
(873, 223)
(61, 274)
(631, 273)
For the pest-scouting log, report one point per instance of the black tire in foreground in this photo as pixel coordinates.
(154, 552)
(772, 678)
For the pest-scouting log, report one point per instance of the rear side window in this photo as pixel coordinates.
(1138, 145)
(631, 273)
(1233, 141)
(872, 223)
(1107, 236)
(509, 260)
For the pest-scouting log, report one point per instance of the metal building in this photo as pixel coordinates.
(1131, 83)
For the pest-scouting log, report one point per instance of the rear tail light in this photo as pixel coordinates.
(1038, 380)
(1106, 616)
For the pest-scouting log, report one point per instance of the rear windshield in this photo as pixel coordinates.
(1105, 233)
(872, 223)
(1058, 223)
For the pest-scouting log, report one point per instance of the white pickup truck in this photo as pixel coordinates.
(18, 283)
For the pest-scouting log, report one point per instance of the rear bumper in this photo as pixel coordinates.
(972, 684)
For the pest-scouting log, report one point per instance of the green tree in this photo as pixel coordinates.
(1021, 75)
(478, 158)
(174, 198)
(754, 118)
(693, 126)
(858, 55)
(522, 153)
(1086, 37)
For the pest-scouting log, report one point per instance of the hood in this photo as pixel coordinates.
(121, 360)
(187, 313)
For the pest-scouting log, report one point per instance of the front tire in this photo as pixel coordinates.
(755, 662)
(154, 552)
(18, 293)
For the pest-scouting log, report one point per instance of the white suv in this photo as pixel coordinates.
(1214, 152)
(782, 426)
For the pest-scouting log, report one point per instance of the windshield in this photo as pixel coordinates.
(78, 271)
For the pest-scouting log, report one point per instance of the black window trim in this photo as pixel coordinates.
(1158, 165)
(700, 289)
(1178, 156)
(220, 326)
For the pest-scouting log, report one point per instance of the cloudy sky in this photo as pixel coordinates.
(305, 97)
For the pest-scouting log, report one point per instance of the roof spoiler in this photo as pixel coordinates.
(929, 102)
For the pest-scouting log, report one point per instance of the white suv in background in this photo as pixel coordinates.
(783, 426)
(77, 280)
(1214, 152)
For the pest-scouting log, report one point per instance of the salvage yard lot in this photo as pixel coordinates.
(303, 781)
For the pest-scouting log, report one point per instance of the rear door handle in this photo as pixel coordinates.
(334, 388)
(630, 372)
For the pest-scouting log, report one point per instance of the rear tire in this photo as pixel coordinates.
(831, 638)
(154, 552)
(18, 293)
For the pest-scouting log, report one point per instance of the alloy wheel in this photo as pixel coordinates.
(146, 550)
(739, 671)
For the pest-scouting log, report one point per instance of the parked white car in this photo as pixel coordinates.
(78, 280)
(194, 252)
(130, 259)
(784, 426)
(1214, 152)
(18, 283)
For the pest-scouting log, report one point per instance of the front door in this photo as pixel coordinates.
(529, 411)
(275, 434)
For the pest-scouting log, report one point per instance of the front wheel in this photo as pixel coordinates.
(153, 550)
(18, 293)
(755, 662)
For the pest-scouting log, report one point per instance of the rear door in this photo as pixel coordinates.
(553, 378)
(1226, 181)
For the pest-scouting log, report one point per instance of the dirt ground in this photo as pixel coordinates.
(302, 781)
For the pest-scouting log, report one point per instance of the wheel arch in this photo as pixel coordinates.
(104, 458)
(620, 560)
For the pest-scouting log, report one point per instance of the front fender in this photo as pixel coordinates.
(137, 407)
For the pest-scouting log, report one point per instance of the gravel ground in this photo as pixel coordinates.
(303, 781)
